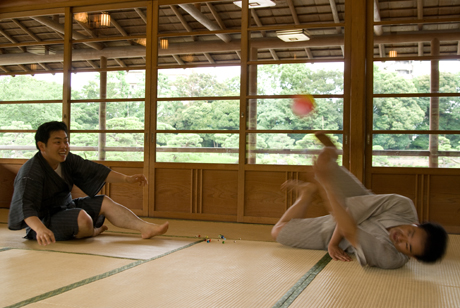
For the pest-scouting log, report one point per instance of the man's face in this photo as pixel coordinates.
(408, 239)
(55, 151)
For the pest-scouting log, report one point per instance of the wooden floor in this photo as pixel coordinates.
(180, 269)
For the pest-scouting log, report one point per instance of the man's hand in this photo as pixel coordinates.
(337, 253)
(137, 178)
(45, 236)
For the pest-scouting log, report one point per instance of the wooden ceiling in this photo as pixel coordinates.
(34, 43)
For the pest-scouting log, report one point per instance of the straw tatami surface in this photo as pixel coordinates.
(179, 269)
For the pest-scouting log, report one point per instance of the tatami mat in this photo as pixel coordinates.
(107, 244)
(192, 228)
(27, 273)
(416, 285)
(241, 274)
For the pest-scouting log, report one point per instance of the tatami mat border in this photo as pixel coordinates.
(302, 283)
(4, 249)
(79, 253)
(94, 278)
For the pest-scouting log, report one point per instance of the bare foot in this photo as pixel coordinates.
(99, 230)
(150, 230)
(303, 188)
(325, 140)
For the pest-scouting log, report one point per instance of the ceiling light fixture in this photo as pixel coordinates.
(81, 17)
(293, 35)
(142, 41)
(164, 44)
(393, 54)
(254, 4)
(105, 19)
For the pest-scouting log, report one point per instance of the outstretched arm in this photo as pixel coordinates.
(117, 177)
(333, 248)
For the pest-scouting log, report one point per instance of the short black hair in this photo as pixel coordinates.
(435, 244)
(44, 131)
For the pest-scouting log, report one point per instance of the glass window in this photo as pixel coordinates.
(198, 148)
(286, 149)
(17, 145)
(109, 146)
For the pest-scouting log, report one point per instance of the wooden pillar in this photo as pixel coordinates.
(66, 95)
(355, 36)
(252, 108)
(102, 110)
(434, 105)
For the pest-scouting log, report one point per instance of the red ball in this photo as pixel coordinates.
(303, 105)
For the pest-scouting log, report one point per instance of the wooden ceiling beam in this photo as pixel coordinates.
(141, 14)
(202, 19)
(178, 59)
(217, 46)
(216, 15)
(25, 69)
(378, 28)
(120, 29)
(60, 28)
(181, 18)
(120, 62)
(335, 15)
(12, 40)
(420, 13)
(264, 34)
(92, 64)
(46, 68)
(209, 58)
(86, 29)
(293, 12)
(33, 36)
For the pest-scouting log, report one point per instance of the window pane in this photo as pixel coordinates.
(17, 145)
(317, 78)
(198, 148)
(118, 146)
(120, 84)
(118, 115)
(277, 114)
(392, 77)
(50, 87)
(198, 115)
(414, 113)
(286, 149)
(199, 82)
(28, 116)
(400, 150)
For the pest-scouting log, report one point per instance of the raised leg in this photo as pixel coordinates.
(300, 206)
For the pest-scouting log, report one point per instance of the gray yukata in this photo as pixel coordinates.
(372, 213)
(40, 191)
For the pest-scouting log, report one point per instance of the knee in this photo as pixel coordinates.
(85, 224)
(276, 230)
(106, 203)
